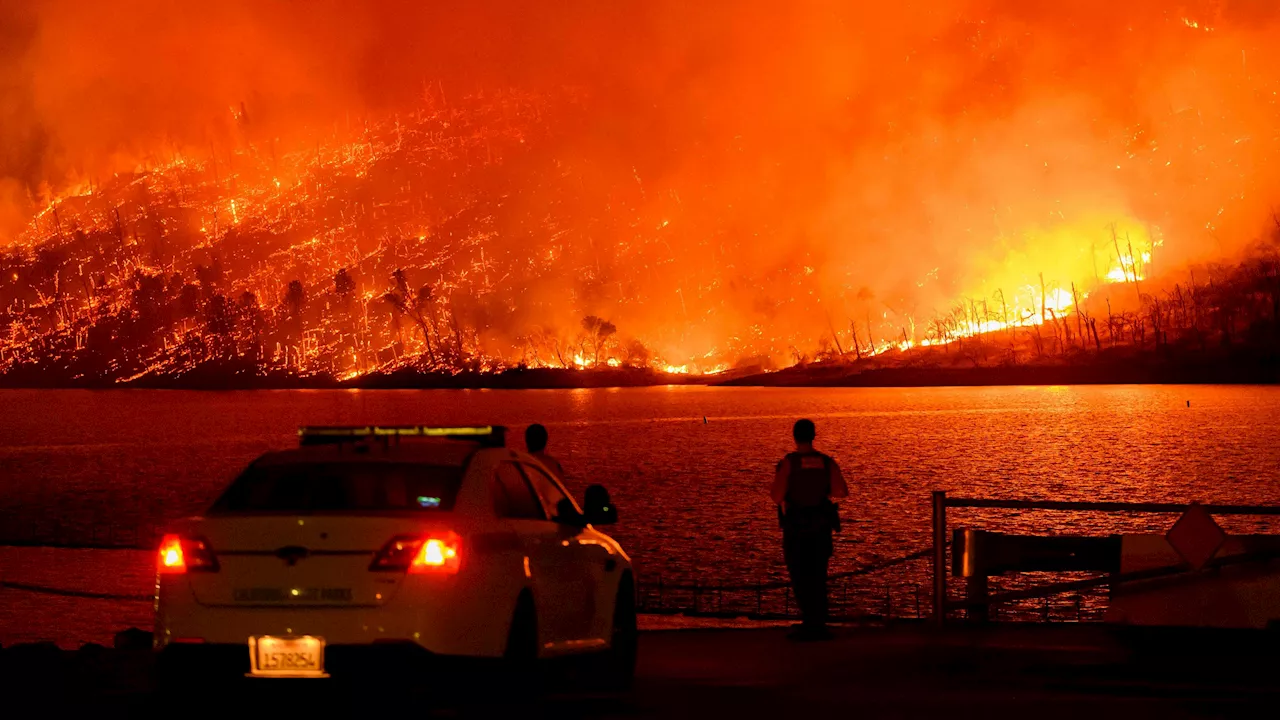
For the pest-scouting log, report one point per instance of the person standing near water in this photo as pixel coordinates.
(535, 439)
(804, 486)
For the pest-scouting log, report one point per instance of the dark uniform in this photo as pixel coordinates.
(808, 521)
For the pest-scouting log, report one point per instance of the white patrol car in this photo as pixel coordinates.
(398, 544)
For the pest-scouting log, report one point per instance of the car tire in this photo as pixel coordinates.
(520, 658)
(619, 662)
(178, 681)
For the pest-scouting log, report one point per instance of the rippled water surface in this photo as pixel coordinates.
(688, 466)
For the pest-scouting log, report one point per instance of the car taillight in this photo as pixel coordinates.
(430, 553)
(180, 554)
(438, 554)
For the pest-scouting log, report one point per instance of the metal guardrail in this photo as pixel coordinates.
(53, 544)
(655, 597)
(110, 543)
(760, 599)
(85, 594)
(1118, 578)
(941, 604)
(772, 600)
(40, 533)
(1128, 507)
(778, 585)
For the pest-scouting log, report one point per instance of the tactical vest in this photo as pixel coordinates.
(808, 499)
(809, 482)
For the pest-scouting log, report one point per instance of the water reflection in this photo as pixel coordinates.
(693, 494)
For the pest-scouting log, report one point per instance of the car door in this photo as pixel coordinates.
(588, 560)
(549, 563)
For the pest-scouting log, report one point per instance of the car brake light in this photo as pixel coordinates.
(430, 553)
(171, 560)
(180, 554)
(438, 554)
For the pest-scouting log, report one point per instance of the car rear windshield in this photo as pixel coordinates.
(342, 487)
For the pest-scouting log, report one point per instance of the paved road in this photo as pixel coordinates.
(1006, 671)
(1041, 671)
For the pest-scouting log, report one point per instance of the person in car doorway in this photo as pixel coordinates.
(535, 439)
(804, 486)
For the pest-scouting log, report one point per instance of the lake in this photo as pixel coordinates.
(689, 467)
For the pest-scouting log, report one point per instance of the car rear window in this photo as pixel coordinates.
(342, 487)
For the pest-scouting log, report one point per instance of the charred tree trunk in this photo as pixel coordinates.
(1133, 259)
(835, 336)
(1111, 324)
(1042, 299)
(1154, 316)
(1195, 312)
(1075, 300)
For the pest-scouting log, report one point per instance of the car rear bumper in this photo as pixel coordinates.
(183, 662)
(443, 623)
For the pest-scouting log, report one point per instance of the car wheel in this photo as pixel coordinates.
(180, 679)
(520, 659)
(620, 661)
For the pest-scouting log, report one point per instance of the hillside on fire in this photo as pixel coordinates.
(373, 255)
(373, 263)
(636, 193)
(1220, 326)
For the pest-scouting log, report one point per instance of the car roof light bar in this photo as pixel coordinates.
(486, 435)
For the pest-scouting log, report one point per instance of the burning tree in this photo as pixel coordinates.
(417, 306)
(596, 335)
(344, 286)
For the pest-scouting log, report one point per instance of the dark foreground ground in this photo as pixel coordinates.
(911, 671)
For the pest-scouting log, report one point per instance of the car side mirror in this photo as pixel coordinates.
(598, 508)
(567, 514)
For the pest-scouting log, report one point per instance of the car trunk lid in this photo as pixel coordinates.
(300, 561)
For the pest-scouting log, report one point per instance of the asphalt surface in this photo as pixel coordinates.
(900, 671)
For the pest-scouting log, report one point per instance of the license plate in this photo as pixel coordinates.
(276, 656)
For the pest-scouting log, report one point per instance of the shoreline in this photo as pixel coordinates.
(1229, 366)
(1005, 376)
(514, 379)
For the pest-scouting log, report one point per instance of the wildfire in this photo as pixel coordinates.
(1129, 267)
(994, 174)
(357, 333)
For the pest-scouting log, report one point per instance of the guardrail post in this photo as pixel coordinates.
(969, 555)
(976, 591)
(939, 557)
